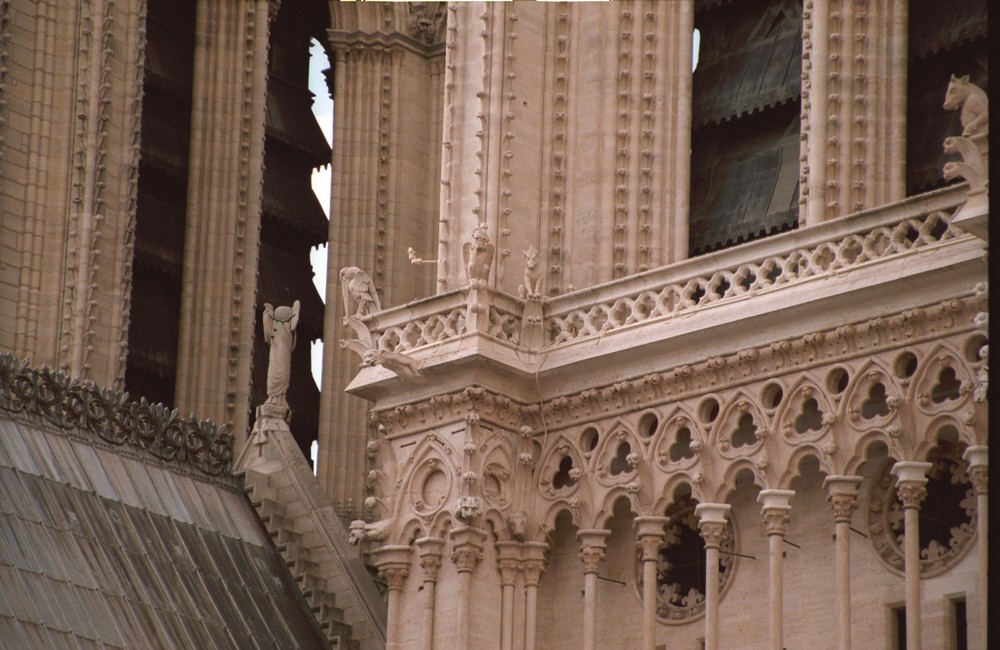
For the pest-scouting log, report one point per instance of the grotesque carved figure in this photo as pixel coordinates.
(964, 95)
(362, 531)
(357, 286)
(469, 508)
(279, 333)
(532, 287)
(478, 255)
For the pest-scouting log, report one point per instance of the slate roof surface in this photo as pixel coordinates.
(105, 547)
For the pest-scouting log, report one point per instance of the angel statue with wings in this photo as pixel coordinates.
(279, 333)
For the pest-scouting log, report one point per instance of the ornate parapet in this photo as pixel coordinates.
(664, 308)
(152, 432)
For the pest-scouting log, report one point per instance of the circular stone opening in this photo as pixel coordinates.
(435, 489)
(709, 409)
(648, 424)
(905, 365)
(836, 381)
(772, 396)
(589, 439)
(972, 346)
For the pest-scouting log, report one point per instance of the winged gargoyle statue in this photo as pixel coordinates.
(364, 346)
(478, 256)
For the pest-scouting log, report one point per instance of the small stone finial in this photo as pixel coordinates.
(358, 288)
(279, 334)
(478, 255)
(973, 103)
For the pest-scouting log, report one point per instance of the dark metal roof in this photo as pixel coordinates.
(288, 197)
(749, 59)
(935, 27)
(746, 192)
(101, 547)
(290, 119)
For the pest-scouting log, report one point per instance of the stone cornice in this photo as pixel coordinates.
(781, 357)
(343, 41)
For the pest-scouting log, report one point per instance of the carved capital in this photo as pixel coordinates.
(430, 551)
(775, 509)
(393, 564)
(712, 522)
(775, 521)
(592, 547)
(508, 570)
(842, 493)
(467, 548)
(978, 458)
(843, 506)
(533, 564)
(650, 536)
(714, 533)
(466, 558)
(394, 576)
(911, 481)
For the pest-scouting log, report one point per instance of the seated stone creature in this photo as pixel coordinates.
(970, 98)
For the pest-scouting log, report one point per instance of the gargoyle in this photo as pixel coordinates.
(532, 287)
(478, 255)
(363, 531)
(970, 98)
(407, 368)
(357, 286)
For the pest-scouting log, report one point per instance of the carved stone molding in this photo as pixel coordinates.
(650, 535)
(467, 548)
(151, 431)
(781, 357)
(592, 547)
(775, 510)
(842, 493)
(393, 563)
(911, 481)
(978, 458)
(430, 550)
(533, 562)
(712, 522)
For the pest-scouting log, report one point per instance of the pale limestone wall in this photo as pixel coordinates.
(562, 126)
(388, 82)
(68, 181)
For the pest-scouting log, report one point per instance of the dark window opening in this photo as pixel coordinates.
(960, 625)
(745, 119)
(899, 628)
(620, 464)
(942, 43)
(562, 478)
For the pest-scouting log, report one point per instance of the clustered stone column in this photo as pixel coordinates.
(533, 566)
(592, 547)
(842, 493)
(978, 458)
(430, 550)
(467, 553)
(393, 564)
(508, 564)
(911, 482)
(775, 508)
(712, 524)
(650, 541)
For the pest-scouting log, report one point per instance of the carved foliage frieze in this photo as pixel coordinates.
(107, 416)
(829, 394)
